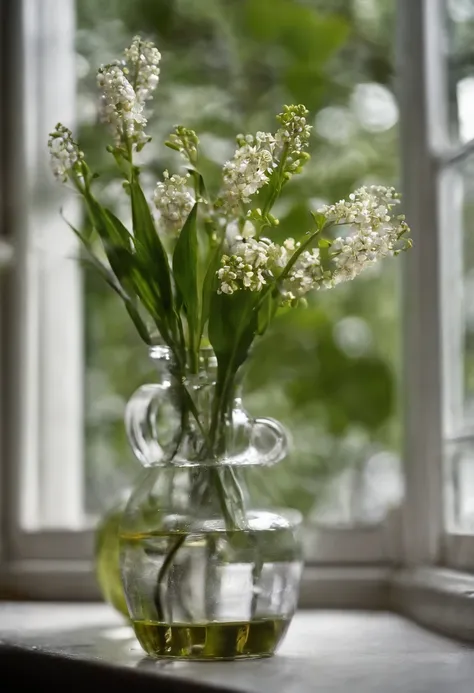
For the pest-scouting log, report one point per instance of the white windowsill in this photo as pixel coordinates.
(440, 599)
(324, 651)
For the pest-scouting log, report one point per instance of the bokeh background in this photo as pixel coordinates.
(330, 372)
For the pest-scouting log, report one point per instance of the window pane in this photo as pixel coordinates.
(460, 35)
(330, 372)
(458, 201)
(458, 270)
(460, 497)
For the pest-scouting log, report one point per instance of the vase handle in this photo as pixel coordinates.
(141, 422)
(270, 439)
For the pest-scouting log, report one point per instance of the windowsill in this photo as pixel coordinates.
(324, 651)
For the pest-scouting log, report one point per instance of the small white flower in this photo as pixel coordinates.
(294, 129)
(248, 170)
(126, 85)
(64, 151)
(294, 134)
(376, 233)
(173, 200)
(235, 274)
(143, 59)
(306, 274)
(249, 265)
(121, 108)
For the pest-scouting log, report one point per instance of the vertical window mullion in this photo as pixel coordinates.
(423, 130)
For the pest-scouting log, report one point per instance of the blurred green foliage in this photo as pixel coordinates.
(329, 372)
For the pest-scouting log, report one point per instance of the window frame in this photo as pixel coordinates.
(43, 523)
(355, 567)
(37, 549)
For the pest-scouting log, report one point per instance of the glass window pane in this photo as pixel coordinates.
(458, 258)
(330, 372)
(460, 59)
(458, 270)
(460, 496)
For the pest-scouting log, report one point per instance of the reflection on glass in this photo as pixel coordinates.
(460, 497)
(458, 326)
(460, 67)
(234, 63)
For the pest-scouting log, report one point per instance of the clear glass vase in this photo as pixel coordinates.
(208, 572)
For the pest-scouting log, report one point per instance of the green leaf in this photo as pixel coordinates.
(120, 231)
(152, 252)
(209, 286)
(232, 327)
(109, 228)
(185, 272)
(267, 312)
(111, 279)
(319, 220)
(146, 289)
(199, 182)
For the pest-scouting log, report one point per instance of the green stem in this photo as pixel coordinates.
(162, 574)
(256, 574)
(277, 188)
(271, 287)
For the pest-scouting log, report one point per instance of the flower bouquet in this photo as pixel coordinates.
(206, 573)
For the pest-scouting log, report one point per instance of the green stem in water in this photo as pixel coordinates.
(162, 574)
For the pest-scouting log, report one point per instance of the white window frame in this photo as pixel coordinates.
(434, 290)
(42, 441)
(397, 563)
(46, 428)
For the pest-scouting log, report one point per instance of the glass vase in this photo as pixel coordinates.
(208, 572)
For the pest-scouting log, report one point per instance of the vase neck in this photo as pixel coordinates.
(207, 411)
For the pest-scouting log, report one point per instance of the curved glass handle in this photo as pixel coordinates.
(141, 422)
(270, 440)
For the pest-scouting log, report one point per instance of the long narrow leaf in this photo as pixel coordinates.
(209, 286)
(110, 278)
(185, 272)
(232, 327)
(145, 231)
(109, 228)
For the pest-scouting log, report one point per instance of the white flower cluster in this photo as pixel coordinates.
(120, 107)
(376, 232)
(173, 200)
(143, 59)
(306, 274)
(249, 169)
(64, 151)
(251, 263)
(123, 100)
(294, 133)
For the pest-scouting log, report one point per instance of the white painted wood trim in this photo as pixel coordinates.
(459, 551)
(52, 580)
(422, 124)
(439, 599)
(346, 587)
(325, 587)
(43, 366)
